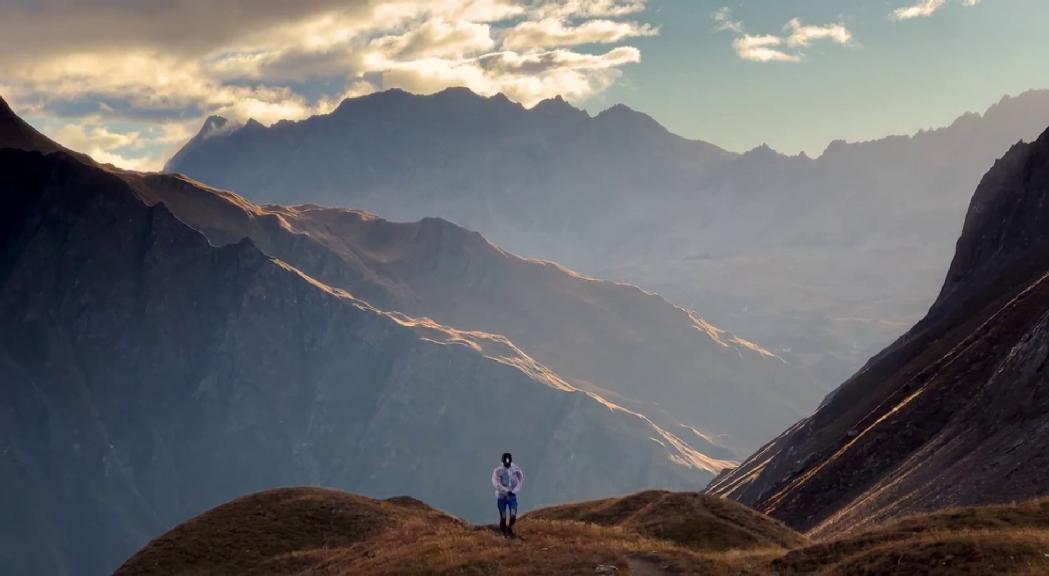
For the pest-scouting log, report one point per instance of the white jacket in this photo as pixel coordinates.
(507, 479)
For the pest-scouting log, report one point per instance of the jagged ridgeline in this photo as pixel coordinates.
(822, 260)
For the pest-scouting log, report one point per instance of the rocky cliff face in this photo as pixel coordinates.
(824, 261)
(150, 375)
(956, 411)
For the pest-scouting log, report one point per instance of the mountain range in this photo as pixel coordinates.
(152, 375)
(956, 411)
(170, 346)
(822, 260)
(612, 339)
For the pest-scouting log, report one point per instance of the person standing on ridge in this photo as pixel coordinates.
(508, 479)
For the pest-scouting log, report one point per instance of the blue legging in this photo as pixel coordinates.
(507, 501)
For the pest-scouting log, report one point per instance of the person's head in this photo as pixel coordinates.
(507, 459)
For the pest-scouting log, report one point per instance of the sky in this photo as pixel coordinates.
(129, 81)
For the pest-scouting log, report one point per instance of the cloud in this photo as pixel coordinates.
(922, 9)
(552, 32)
(526, 78)
(723, 21)
(925, 8)
(437, 38)
(778, 48)
(589, 8)
(803, 35)
(87, 66)
(133, 146)
(763, 48)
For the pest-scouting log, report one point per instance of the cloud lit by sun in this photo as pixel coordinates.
(172, 64)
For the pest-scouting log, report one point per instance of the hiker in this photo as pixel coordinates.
(508, 480)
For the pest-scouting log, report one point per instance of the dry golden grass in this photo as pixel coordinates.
(325, 532)
(695, 521)
(1007, 539)
(543, 547)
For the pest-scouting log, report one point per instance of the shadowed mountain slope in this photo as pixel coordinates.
(718, 393)
(314, 531)
(151, 375)
(822, 260)
(953, 413)
(722, 394)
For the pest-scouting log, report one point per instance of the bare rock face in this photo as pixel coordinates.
(149, 375)
(956, 412)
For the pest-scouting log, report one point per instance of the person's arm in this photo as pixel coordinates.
(495, 481)
(519, 484)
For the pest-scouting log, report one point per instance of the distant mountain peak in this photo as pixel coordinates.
(558, 107)
(1006, 217)
(557, 102)
(457, 96)
(619, 110)
(216, 125)
(462, 92)
(762, 151)
(835, 145)
(623, 117)
(349, 104)
(500, 97)
(463, 97)
(215, 122)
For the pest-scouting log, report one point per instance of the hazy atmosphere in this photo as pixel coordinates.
(631, 287)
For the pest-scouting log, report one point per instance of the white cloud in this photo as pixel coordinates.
(763, 48)
(922, 9)
(803, 35)
(925, 8)
(437, 38)
(588, 8)
(143, 147)
(526, 78)
(90, 64)
(723, 21)
(552, 32)
(778, 48)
